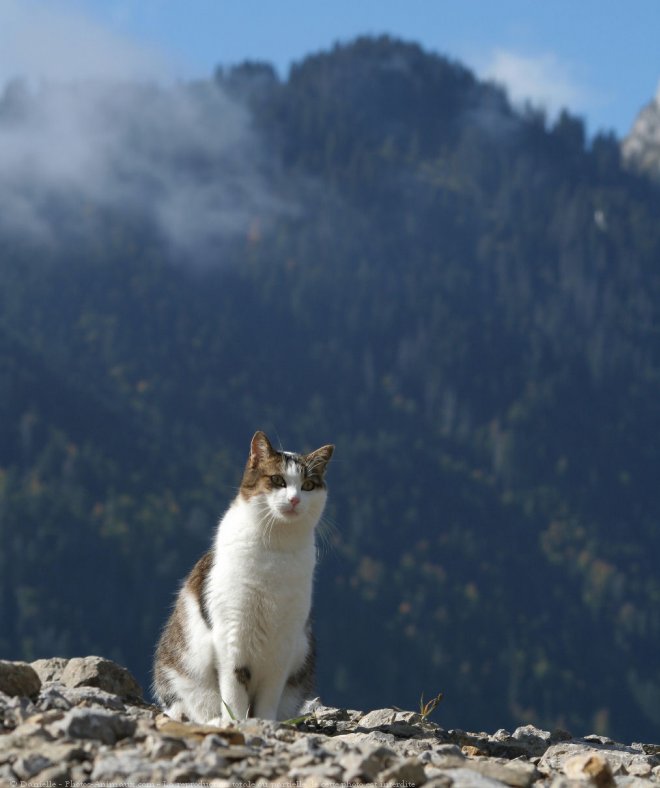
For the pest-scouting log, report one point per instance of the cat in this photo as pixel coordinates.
(239, 641)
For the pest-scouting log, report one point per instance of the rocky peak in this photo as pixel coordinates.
(83, 721)
(641, 148)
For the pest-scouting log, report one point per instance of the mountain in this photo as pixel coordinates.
(377, 252)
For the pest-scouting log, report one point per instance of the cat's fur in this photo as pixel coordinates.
(239, 641)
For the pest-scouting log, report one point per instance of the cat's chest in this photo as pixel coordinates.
(246, 574)
(259, 602)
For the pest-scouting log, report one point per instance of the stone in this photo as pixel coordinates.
(439, 781)
(589, 766)
(93, 696)
(647, 749)
(26, 766)
(101, 673)
(321, 713)
(49, 669)
(17, 710)
(19, 678)
(639, 769)
(7, 776)
(112, 765)
(103, 726)
(520, 775)
(473, 752)
(32, 729)
(237, 752)
(367, 766)
(411, 717)
(158, 747)
(57, 696)
(377, 719)
(446, 756)
(409, 771)
(307, 745)
(57, 776)
(325, 772)
(47, 755)
(362, 740)
(618, 756)
(212, 743)
(52, 697)
(191, 731)
(535, 740)
(467, 778)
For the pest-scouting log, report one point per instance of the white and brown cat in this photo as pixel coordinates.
(239, 641)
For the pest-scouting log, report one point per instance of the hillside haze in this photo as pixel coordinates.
(381, 253)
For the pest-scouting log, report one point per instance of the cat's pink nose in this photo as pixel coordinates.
(294, 500)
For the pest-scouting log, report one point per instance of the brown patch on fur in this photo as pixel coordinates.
(196, 583)
(173, 640)
(305, 677)
(168, 654)
(263, 462)
(316, 461)
(257, 480)
(243, 675)
(173, 643)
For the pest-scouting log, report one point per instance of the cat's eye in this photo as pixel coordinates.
(277, 481)
(308, 485)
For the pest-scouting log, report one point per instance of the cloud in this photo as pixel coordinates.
(184, 156)
(101, 133)
(543, 80)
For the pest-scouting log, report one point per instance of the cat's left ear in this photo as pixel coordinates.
(317, 460)
(260, 449)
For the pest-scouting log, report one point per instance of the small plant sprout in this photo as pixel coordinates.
(232, 716)
(427, 708)
(295, 721)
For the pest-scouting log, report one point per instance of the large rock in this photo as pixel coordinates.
(49, 669)
(90, 672)
(19, 678)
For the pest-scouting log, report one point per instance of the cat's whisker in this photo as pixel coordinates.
(266, 522)
(326, 532)
(268, 531)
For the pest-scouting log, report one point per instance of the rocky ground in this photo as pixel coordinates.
(83, 721)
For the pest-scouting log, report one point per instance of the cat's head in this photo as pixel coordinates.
(287, 487)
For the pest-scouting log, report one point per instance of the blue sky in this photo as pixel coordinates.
(601, 58)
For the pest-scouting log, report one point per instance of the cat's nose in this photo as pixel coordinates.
(294, 500)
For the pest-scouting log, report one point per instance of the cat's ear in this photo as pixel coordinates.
(260, 449)
(317, 460)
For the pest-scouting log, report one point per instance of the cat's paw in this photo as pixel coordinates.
(216, 722)
(175, 712)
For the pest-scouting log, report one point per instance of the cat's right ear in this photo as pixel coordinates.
(260, 449)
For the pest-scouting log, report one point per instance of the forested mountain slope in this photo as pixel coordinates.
(381, 253)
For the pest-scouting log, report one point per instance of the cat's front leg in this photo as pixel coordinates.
(234, 695)
(268, 697)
